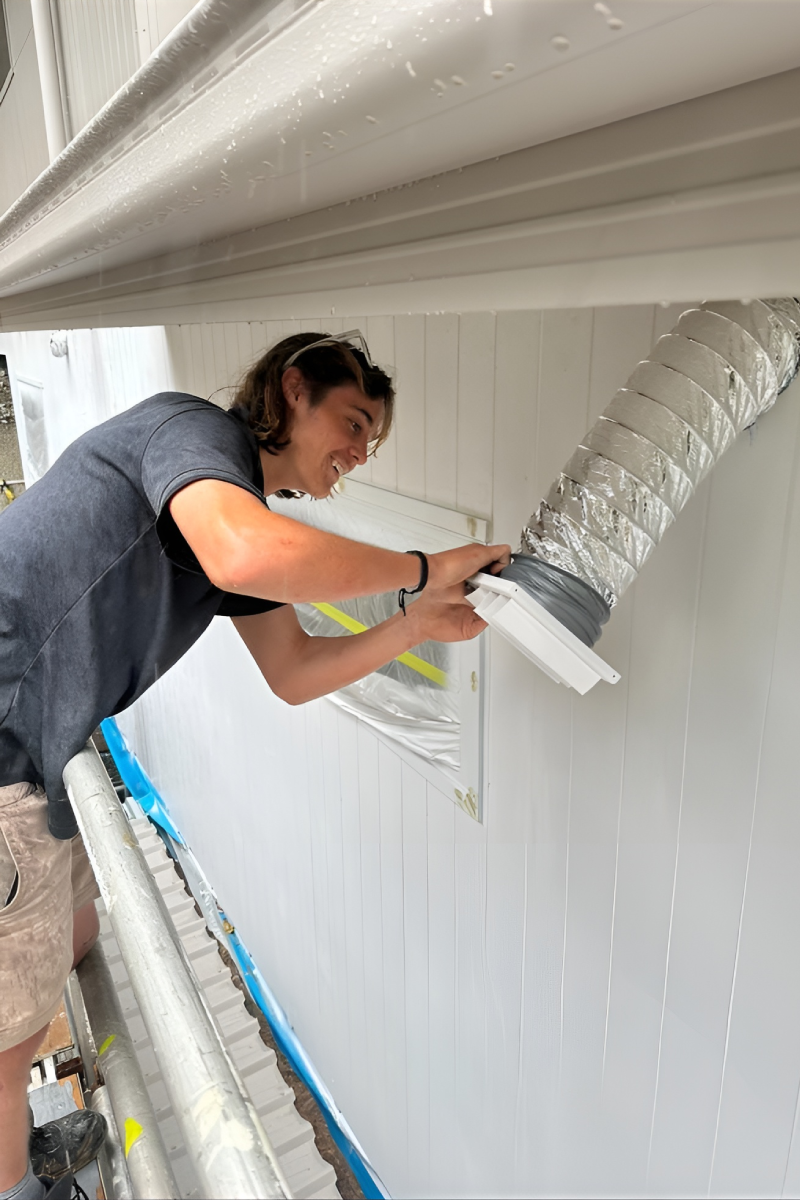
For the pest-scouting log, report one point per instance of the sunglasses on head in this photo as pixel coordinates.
(334, 339)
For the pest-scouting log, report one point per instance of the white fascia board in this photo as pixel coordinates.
(445, 277)
(153, 221)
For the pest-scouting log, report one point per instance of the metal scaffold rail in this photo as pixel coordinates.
(232, 1154)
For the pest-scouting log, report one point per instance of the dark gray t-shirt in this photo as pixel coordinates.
(99, 592)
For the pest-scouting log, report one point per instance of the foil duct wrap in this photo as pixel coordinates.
(714, 374)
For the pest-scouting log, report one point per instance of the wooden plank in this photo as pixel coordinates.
(622, 337)
(176, 352)
(380, 338)
(376, 1117)
(563, 389)
(364, 472)
(245, 353)
(445, 1140)
(58, 1037)
(235, 363)
(219, 361)
(274, 332)
(335, 998)
(505, 926)
(353, 964)
(441, 408)
(475, 424)
(198, 361)
(299, 817)
(398, 1150)
(321, 950)
(515, 423)
(417, 984)
(409, 356)
(472, 986)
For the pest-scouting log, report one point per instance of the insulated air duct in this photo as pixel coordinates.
(713, 375)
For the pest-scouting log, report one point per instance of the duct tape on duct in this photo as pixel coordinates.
(571, 601)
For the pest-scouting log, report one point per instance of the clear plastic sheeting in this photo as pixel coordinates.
(416, 699)
(713, 375)
(416, 707)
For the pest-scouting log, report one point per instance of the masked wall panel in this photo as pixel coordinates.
(424, 699)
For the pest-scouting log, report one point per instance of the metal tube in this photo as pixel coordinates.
(81, 1030)
(44, 36)
(231, 1152)
(111, 1158)
(148, 1164)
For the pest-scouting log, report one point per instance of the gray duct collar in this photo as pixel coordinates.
(571, 601)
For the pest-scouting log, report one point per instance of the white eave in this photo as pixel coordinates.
(264, 162)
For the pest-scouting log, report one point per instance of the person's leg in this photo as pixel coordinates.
(15, 1072)
(36, 953)
(85, 930)
(85, 922)
(69, 1143)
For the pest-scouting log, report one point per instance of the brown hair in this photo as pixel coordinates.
(260, 399)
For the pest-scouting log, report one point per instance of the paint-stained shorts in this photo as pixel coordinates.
(54, 878)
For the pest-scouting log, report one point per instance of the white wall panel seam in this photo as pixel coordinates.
(778, 592)
(566, 891)
(519, 1132)
(616, 854)
(791, 1141)
(677, 848)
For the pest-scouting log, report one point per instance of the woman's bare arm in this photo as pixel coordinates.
(299, 668)
(243, 547)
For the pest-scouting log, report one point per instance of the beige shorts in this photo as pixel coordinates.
(54, 879)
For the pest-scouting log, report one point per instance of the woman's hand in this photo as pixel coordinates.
(443, 615)
(454, 566)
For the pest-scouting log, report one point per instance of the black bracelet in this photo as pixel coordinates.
(423, 579)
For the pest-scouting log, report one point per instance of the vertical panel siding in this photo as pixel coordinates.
(22, 130)
(596, 991)
(409, 353)
(100, 52)
(475, 424)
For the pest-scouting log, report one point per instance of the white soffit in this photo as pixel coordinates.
(358, 96)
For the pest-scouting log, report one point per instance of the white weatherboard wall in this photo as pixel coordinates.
(595, 992)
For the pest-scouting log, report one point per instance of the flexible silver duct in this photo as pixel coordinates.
(721, 367)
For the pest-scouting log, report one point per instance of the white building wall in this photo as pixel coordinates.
(23, 142)
(596, 991)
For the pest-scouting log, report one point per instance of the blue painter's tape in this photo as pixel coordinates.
(136, 779)
(290, 1046)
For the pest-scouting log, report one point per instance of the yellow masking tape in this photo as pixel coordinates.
(133, 1131)
(408, 659)
(106, 1043)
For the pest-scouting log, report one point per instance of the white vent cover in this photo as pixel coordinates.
(538, 635)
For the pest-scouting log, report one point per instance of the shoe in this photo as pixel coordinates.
(64, 1146)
